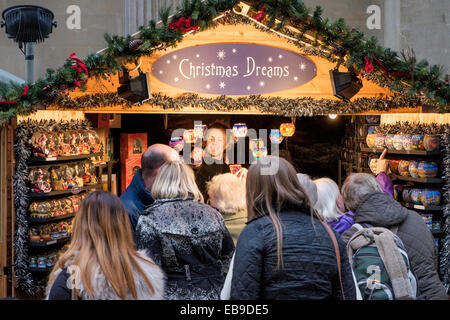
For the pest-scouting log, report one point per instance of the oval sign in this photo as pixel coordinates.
(234, 69)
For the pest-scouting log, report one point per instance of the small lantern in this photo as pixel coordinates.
(259, 152)
(177, 143)
(256, 144)
(188, 136)
(275, 136)
(199, 130)
(240, 130)
(287, 129)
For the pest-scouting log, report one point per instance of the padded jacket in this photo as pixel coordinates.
(309, 261)
(380, 210)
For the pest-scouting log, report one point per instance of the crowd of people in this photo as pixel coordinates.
(264, 236)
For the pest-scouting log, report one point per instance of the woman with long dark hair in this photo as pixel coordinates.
(101, 262)
(285, 251)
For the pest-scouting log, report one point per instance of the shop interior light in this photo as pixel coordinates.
(240, 130)
(275, 136)
(332, 116)
(287, 129)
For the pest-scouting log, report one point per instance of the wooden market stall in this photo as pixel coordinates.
(234, 68)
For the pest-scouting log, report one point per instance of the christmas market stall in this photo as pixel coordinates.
(329, 99)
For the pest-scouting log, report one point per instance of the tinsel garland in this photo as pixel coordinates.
(406, 127)
(445, 252)
(423, 81)
(22, 150)
(299, 107)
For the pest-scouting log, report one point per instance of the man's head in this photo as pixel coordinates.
(152, 159)
(356, 187)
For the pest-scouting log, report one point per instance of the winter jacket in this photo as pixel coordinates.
(206, 172)
(342, 223)
(380, 210)
(190, 242)
(135, 198)
(310, 267)
(385, 183)
(103, 289)
(235, 223)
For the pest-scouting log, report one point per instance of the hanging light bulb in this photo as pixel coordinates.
(287, 129)
(177, 143)
(332, 116)
(275, 136)
(188, 136)
(199, 130)
(240, 130)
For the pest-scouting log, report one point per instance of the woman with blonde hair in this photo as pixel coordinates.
(185, 237)
(285, 251)
(101, 262)
(330, 205)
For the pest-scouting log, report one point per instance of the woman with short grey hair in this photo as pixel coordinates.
(356, 187)
(364, 196)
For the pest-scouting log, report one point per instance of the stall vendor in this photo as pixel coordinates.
(214, 158)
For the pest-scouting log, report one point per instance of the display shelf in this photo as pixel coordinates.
(421, 207)
(57, 218)
(420, 180)
(43, 195)
(49, 243)
(40, 270)
(437, 232)
(39, 160)
(406, 152)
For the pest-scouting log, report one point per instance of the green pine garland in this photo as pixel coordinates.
(426, 83)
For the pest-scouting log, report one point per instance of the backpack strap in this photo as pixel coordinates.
(338, 255)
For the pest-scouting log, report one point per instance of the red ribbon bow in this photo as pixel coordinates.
(369, 68)
(182, 24)
(24, 93)
(260, 15)
(78, 67)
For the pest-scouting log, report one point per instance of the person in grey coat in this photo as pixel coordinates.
(363, 195)
(185, 237)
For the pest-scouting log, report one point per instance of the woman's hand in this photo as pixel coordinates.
(382, 163)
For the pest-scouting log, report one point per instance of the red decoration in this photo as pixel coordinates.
(128, 167)
(182, 24)
(368, 66)
(24, 93)
(132, 145)
(260, 15)
(392, 74)
(79, 67)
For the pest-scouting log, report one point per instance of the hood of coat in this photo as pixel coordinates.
(380, 210)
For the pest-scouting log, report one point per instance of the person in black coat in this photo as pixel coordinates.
(185, 237)
(285, 252)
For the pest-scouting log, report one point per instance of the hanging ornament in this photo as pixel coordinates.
(135, 44)
(260, 15)
(79, 67)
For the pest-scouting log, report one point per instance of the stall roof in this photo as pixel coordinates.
(5, 76)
